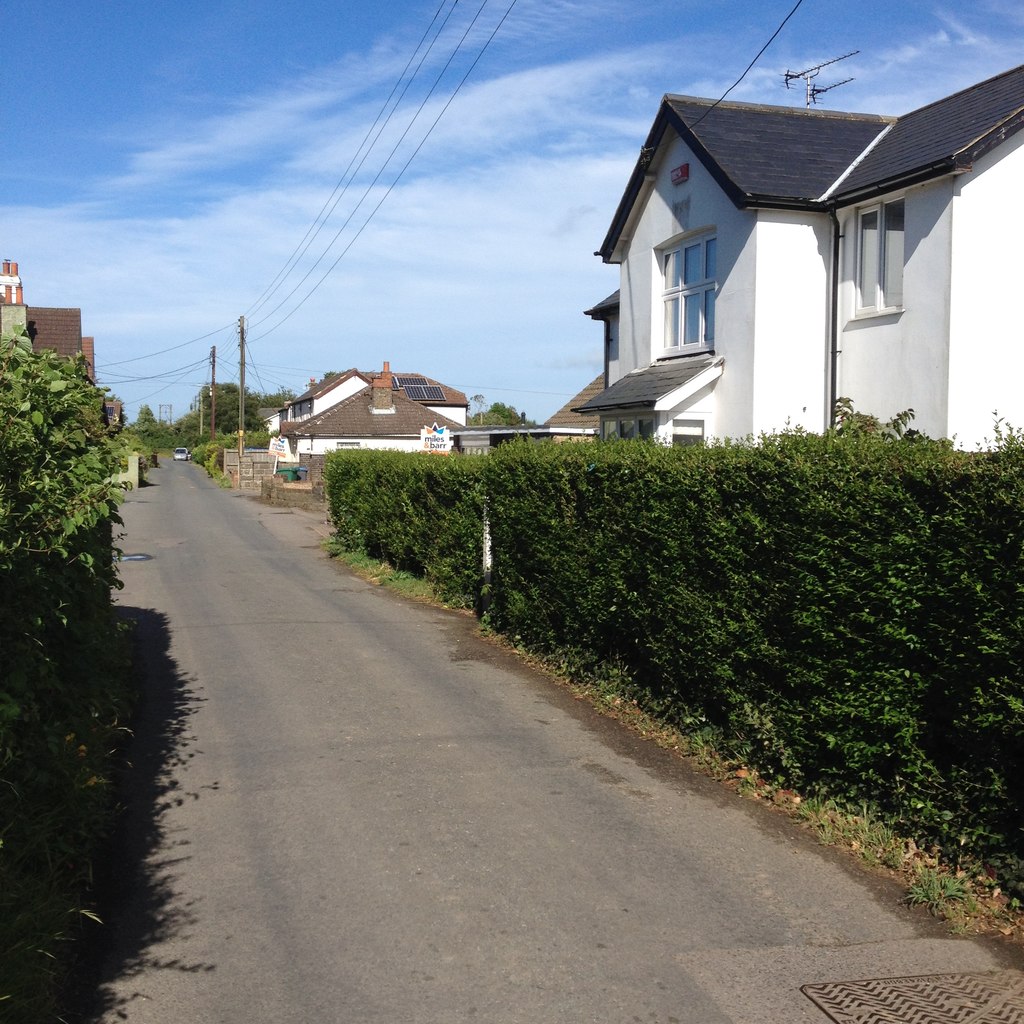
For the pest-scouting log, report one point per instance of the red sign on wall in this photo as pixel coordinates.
(680, 174)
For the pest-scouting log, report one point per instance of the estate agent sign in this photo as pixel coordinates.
(436, 440)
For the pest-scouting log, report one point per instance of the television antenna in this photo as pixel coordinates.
(814, 91)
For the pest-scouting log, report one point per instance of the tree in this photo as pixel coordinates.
(500, 414)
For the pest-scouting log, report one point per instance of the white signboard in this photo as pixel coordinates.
(436, 440)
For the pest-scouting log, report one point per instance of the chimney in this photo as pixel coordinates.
(382, 400)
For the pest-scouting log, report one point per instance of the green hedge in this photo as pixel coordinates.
(63, 689)
(420, 513)
(847, 610)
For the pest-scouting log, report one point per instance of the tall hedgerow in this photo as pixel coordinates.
(63, 690)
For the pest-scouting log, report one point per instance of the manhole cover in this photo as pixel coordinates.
(931, 999)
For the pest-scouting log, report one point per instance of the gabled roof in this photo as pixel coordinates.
(771, 154)
(786, 157)
(642, 388)
(448, 396)
(320, 388)
(354, 417)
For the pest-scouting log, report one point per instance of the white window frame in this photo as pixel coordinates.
(629, 427)
(688, 271)
(880, 257)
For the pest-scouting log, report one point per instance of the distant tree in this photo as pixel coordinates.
(145, 421)
(478, 408)
(500, 414)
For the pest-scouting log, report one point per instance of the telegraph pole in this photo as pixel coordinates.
(213, 392)
(241, 391)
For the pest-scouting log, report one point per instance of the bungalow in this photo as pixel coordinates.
(385, 410)
(774, 259)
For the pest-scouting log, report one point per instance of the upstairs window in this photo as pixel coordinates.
(880, 257)
(689, 293)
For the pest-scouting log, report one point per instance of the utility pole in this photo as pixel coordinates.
(201, 412)
(241, 391)
(213, 392)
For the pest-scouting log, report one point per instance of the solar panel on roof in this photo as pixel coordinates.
(404, 382)
(424, 392)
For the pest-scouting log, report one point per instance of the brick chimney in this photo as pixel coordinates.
(10, 285)
(382, 399)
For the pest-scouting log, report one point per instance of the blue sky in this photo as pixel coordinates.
(165, 162)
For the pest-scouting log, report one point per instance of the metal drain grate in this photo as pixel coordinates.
(932, 999)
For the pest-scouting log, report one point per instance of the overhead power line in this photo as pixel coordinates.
(796, 7)
(398, 177)
(331, 203)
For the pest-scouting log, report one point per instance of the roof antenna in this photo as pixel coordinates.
(814, 91)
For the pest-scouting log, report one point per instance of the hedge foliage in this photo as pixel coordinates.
(63, 694)
(848, 610)
(422, 514)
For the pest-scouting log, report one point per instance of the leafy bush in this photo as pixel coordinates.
(63, 695)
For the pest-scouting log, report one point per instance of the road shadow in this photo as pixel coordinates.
(137, 875)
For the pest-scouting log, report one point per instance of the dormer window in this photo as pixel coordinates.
(880, 257)
(689, 293)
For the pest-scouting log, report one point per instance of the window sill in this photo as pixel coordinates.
(684, 350)
(877, 314)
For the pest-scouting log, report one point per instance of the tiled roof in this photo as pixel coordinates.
(952, 132)
(322, 387)
(58, 330)
(568, 417)
(642, 388)
(354, 417)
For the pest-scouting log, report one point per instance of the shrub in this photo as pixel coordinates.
(63, 691)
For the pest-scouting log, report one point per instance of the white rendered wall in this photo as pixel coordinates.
(986, 361)
(890, 362)
(667, 214)
(346, 389)
(790, 341)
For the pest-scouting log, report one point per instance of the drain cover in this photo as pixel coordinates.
(931, 999)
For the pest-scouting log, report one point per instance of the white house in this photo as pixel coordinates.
(338, 387)
(773, 260)
(386, 410)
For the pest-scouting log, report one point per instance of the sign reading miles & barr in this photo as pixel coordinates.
(436, 440)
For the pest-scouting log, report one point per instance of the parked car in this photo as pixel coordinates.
(182, 455)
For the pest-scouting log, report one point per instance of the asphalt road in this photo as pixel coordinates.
(348, 808)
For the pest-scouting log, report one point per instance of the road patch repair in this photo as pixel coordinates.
(994, 998)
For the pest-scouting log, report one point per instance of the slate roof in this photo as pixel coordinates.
(779, 157)
(642, 388)
(354, 417)
(778, 153)
(943, 136)
(567, 415)
(601, 309)
(55, 329)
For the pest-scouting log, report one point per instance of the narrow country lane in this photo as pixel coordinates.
(347, 808)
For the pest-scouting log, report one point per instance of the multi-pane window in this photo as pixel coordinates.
(880, 256)
(690, 286)
(628, 429)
